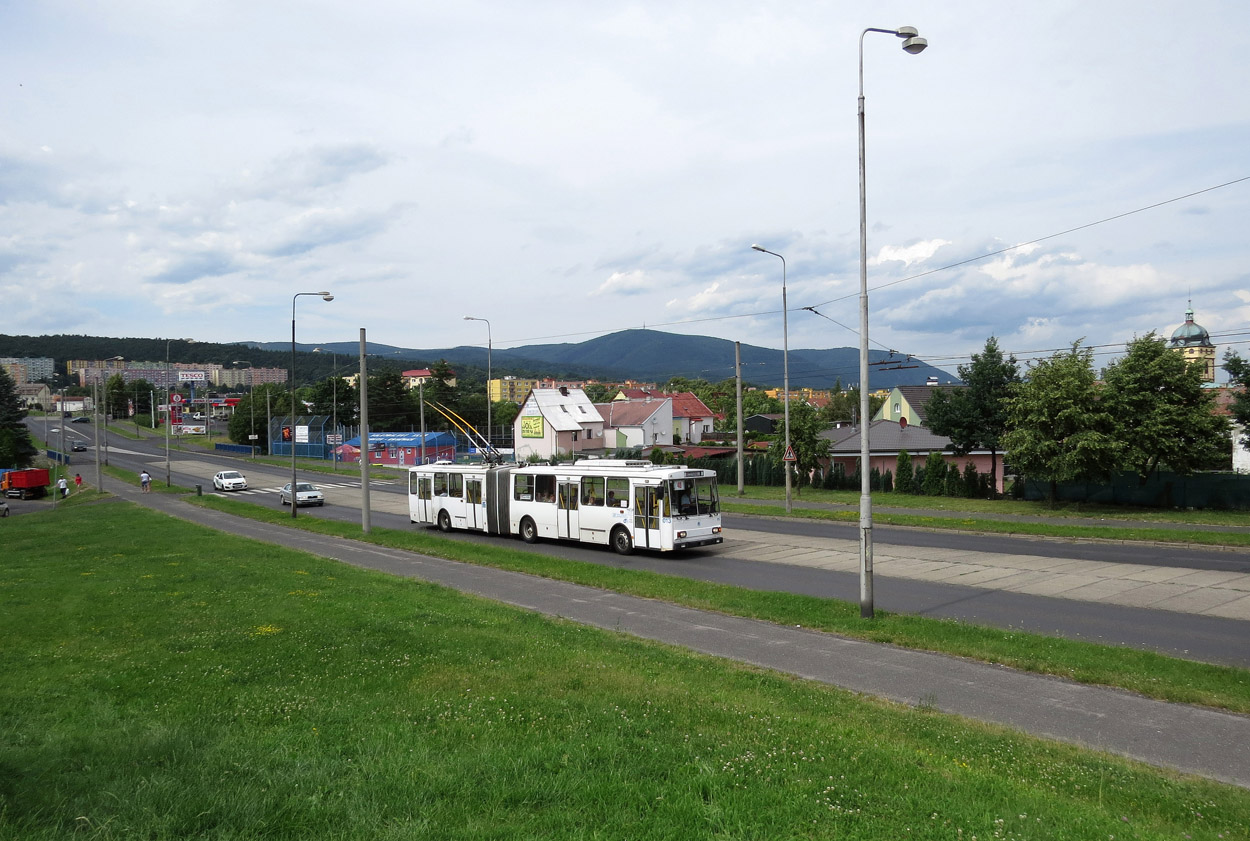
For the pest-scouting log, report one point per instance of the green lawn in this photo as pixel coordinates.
(1155, 675)
(164, 681)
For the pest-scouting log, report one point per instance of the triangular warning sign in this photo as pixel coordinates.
(789, 456)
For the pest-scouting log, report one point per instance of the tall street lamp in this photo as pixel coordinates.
(912, 43)
(785, 366)
(325, 296)
(251, 401)
(488, 349)
(334, 404)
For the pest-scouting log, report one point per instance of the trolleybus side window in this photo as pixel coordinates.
(523, 488)
(592, 490)
(618, 492)
(455, 487)
(440, 484)
(423, 487)
(708, 503)
(412, 483)
(545, 488)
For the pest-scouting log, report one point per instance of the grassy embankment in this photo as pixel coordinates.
(1155, 675)
(166, 681)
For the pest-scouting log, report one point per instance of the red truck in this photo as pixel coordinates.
(30, 483)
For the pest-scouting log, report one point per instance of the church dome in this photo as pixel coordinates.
(1190, 334)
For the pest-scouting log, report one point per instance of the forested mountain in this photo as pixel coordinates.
(651, 355)
(647, 355)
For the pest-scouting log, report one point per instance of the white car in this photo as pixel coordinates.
(230, 480)
(305, 494)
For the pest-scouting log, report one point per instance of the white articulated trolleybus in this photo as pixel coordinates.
(625, 504)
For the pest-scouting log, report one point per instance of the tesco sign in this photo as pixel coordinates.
(192, 376)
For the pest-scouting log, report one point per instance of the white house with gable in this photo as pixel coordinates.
(557, 422)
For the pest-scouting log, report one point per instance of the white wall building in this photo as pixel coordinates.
(557, 423)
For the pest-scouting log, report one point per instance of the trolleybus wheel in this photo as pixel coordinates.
(621, 541)
(529, 532)
(444, 521)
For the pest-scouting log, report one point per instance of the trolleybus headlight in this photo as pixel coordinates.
(680, 535)
(716, 530)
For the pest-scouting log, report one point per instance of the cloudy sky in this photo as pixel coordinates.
(568, 169)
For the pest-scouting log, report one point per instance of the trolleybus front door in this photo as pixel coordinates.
(566, 510)
(650, 506)
(475, 511)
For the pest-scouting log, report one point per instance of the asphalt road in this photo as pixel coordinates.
(1204, 638)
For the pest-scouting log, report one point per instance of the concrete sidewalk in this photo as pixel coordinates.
(1218, 593)
(1190, 739)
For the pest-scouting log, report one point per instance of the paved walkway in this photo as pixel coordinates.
(1224, 594)
(1191, 739)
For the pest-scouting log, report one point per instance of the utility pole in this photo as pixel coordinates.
(364, 438)
(742, 488)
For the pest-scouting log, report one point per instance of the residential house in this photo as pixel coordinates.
(421, 376)
(637, 423)
(771, 424)
(886, 439)
(34, 394)
(557, 423)
(909, 401)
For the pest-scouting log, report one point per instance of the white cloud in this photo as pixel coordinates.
(907, 255)
(597, 166)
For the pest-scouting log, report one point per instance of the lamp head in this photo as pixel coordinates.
(758, 247)
(326, 296)
(912, 42)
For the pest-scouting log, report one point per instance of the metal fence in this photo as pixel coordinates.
(1227, 491)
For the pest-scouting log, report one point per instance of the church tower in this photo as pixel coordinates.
(1194, 343)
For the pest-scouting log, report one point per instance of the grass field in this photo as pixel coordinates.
(165, 681)
(1155, 675)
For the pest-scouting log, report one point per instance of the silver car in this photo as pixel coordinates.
(305, 494)
(230, 480)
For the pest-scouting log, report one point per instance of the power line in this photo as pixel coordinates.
(947, 267)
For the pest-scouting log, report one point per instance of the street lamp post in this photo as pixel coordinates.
(488, 349)
(325, 296)
(334, 405)
(913, 44)
(785, 366)
(251, 401)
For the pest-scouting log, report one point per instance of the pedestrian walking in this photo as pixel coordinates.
(62, 485)
(145, 481)
(77, 482)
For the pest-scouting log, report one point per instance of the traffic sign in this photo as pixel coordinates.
(789, 456)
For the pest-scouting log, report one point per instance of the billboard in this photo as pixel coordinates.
(192, 377)
(532, 426)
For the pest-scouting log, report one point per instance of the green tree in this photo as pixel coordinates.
(904, 484)
(1058, 430)
(332, 396)
(1239, 380)
(439, 387)
(504, 412)
(934, 483)
(975, 416)
(1163, 415)
(809, 448)
(116, 399)
(16, 447)
(596, 393)
(252, 412)
(393, 408)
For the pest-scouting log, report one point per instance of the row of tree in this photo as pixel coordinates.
(1059, 422)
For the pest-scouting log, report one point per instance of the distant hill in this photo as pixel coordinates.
(647, 355)
(651, 355)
